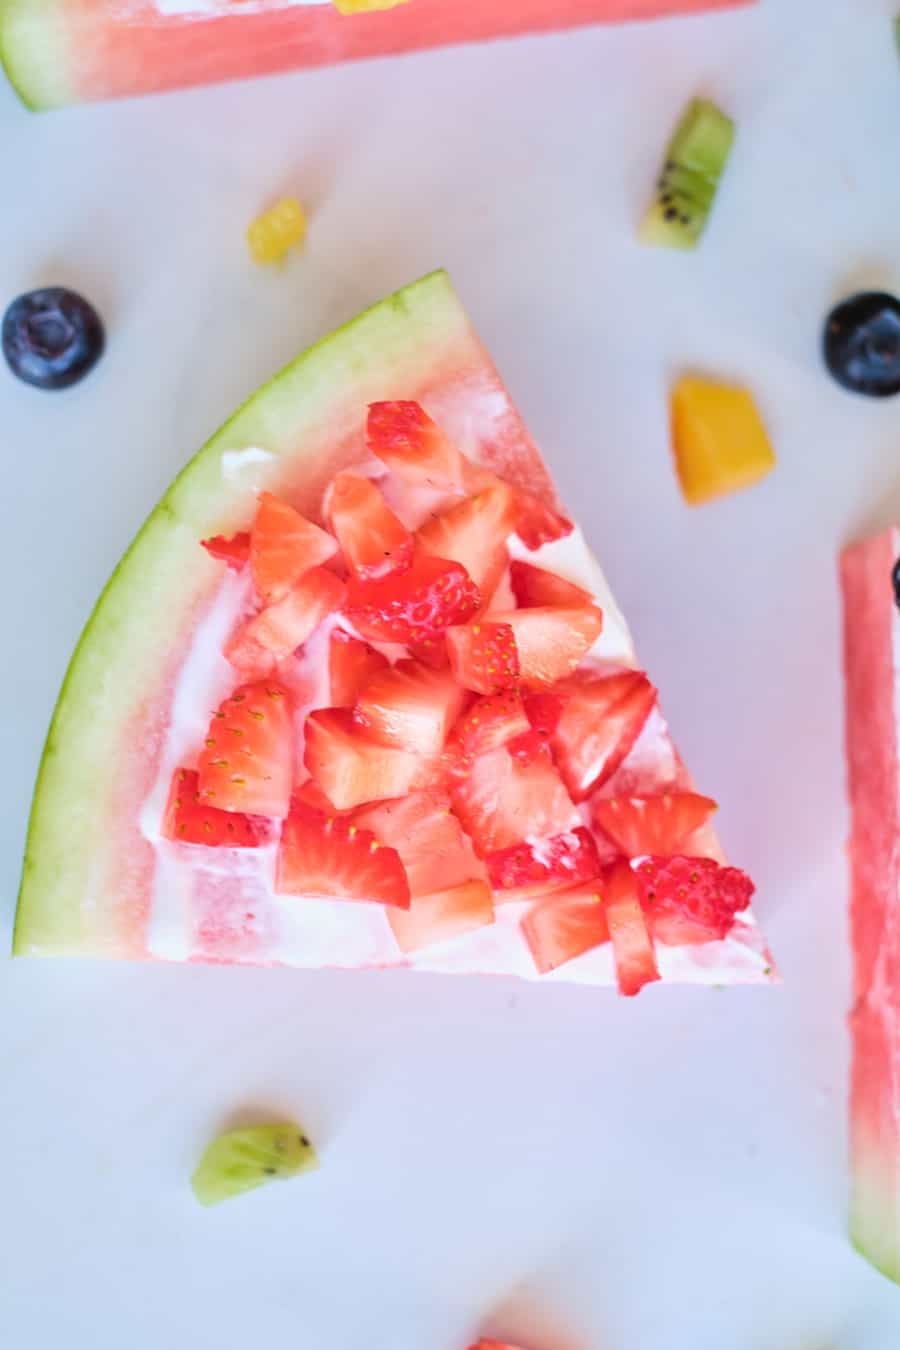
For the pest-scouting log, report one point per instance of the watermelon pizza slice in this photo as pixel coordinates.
(359, 695)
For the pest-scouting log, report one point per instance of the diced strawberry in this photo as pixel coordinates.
(284, 545)
(600, 722)
(279, 629)
(406, 439)
(474, 532)
(490, 723)
(189, 819)
(565, 925)
(432, 652)
(373, 541)
(534, 586)
(410, 706)
(234, 551)
(483, 656)
(537, 523)
(543, 712)
(502, 802)
(351, 663)
(417, 605)
(322, 855)
(658, 824)
(690, 900)
(493, 1345)
(428, 837)
(309, 794)
(247, 760)
(351, 768)
(442, 915)
(536, 866)
(551, 642)
(632, 945)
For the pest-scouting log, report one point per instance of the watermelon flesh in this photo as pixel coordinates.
(872, 667)
(99, 878)
(70, 51)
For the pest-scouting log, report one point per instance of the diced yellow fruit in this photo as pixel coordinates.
(364, 6)
(718, 439)
(274, 232)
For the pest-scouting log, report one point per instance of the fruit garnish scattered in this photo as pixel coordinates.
(324, 855)
(691, 899)
(410, 706)
(687, 186)
(351, 768)
(428, 838)
(632, 944)
(493, 1345)
(718, 439)
(241, 1160)
(501, 801)
(550, 642)
(566, 924)
(442, 915)
(534, 586)
(414, 447)
(284, 546)
(495, 720)
(351, 664)
(861, 344)
(659, 824)
(542, 712)
(273, 234)
(51, 338)
(600, 721)
(373, 541)
(279, 629)
(474, 532)
(189, 818)
(483, 656)
(536, 866)
(537, 523)
(235, 552)
(246, 763)
(418, 605)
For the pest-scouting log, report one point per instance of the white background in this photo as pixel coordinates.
(551, 1164)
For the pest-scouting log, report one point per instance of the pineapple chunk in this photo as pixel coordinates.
(718, 439)
(365, 6)
(277, 230)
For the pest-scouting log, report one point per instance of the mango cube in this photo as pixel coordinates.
(365, 6)
(718, 439)
(277, 230)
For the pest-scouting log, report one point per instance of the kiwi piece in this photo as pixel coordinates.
(687, 185)
(241, 1160)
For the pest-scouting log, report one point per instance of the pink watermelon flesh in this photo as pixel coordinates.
(70, 51)
(872, 665)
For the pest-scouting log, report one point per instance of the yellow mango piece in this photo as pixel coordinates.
(365, 6)
(280, 228)
(718, 439)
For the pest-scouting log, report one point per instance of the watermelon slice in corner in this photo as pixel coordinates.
(190, 809)
(74, 51)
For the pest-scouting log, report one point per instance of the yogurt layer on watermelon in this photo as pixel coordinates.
(359, 695)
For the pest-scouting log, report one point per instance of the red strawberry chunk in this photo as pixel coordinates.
(284, 545)
(351, 768)
(493, 1345)
(537, 523)
(415, 606)
(189, 819)
(234, 551)
(442, 915)
(279, 629)
(659, 824)
(428, 837)
(501, 801)
(690, 900)
(483, 656)
(331, 856)
(551, 642)
(474, 532)
(533, 586)
(373, 541)
(600, 722)
(566, 924)
(406, 439)
(431, 651)
(543, 712)
(536, 866)
(490, 723)
(247, 760)
(351, 664)
(410, 706)
(632, 944)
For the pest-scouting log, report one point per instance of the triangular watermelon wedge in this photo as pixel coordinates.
(500, 795)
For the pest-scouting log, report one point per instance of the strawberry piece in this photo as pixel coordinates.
(279, 629)
(428, 837)
(247, 760)
(493, 1345)
(483, 656)
(442, 915)
(415, 606)
(234, 551)
(501, 801)
(537, 523)
(566, 924)
(474, 532)
(690, 900)
(659, 824)
(322, 855)
(410, 706)
(351, 664)
(536, 866)
(632, 945)
(284, 545)
(533, 586)
(491, 722)
(406, 439)
(543, 712)
(600, 722)
(351, 768)
(373, 541)
(189, 819)
(551, 642)
(431, 651)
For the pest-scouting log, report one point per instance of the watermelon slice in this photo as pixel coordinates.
(344, 762)
(872, 665)
(72, 51)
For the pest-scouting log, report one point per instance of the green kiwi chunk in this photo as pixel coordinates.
(687, 185)
(241, 1160)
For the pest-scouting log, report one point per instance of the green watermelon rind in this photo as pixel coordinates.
(396, 348)
(32, 52)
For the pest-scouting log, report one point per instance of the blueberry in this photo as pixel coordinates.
(895, 581)
(51, 337)
(862, 344)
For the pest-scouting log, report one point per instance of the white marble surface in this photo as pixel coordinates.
(566, 1169)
